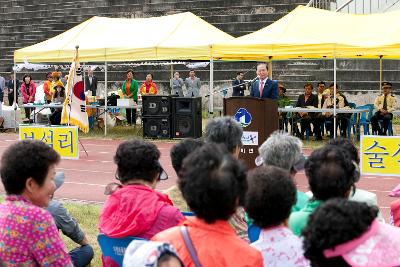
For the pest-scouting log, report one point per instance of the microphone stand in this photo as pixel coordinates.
(231, 87)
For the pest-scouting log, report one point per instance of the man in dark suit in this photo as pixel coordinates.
(264, 87)
(91, 82)
(238, 84)
(305, 100)
(319, 118)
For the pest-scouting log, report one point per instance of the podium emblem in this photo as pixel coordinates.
(243, 117)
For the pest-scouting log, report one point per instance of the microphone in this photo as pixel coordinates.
(255, 79)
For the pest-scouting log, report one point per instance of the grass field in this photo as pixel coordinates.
(87, 216)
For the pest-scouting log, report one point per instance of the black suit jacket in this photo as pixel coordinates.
(311, 101)
(92, 87)
(238, 87)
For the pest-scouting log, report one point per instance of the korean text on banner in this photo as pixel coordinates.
(380, 155)
(63, 139)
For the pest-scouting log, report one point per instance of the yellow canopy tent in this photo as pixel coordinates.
(181, 36)
(101, 39)
(314, 33)
(308, 32)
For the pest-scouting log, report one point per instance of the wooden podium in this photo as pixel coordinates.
(258, 117)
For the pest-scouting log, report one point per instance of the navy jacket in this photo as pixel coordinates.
(270, 89)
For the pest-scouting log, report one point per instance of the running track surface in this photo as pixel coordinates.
(87, 177)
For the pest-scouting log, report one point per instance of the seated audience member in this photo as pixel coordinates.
(331, 173)
(320, 103)
(357, 194)
(284, 151)
(58, 98)
(82, 255)
(328, 116)
(178, 153)
(306, 100)
(384, 105)
(28, 235)
(341, 102)
(135, 208)
(346, 233)
(269, 199)
(148, 87)
(227, 131)
(395, 213)
(212, 181)
(141, 253)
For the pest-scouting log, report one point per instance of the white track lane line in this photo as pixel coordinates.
(88, 184)
(80, 170)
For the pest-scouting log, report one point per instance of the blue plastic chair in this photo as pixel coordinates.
(187, 213)
(352, 121)
(115, 247)
(365, 118)
(253, 232)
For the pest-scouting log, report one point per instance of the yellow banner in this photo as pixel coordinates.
(63, 139)
(380, 155)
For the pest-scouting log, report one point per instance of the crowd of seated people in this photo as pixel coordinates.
(384, 105)
(327, 228)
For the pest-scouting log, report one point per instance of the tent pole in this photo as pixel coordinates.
(105, 98)
(334, 97)
(172, 76)
(270, 68)
(211, 107)
(380, 74)
(15, 98)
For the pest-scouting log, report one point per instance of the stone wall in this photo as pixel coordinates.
(26, 22)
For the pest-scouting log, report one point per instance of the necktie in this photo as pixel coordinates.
(261, 87)
(385, 103)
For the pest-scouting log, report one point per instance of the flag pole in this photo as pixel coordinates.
(71, 79)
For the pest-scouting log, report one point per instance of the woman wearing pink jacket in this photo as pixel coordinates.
(28, 90)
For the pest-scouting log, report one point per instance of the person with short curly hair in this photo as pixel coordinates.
(269, 200)
(135, 208)
(285, 151)
(331, 173)
(212, 181)
(178, 153)
(227, 131)
(28, 234)
(358, 194)
(346, 233)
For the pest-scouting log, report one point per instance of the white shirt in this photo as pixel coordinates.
(319, 100)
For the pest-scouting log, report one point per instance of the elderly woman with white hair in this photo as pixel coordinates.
(284, 151)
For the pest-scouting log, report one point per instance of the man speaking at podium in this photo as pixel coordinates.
(263, 87)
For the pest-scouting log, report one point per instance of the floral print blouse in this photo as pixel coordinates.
(29, 236)
(281, 248)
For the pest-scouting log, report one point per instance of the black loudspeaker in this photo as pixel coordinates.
(154, 105)
(187, 120)
(157, 127)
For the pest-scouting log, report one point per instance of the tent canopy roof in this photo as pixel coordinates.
(100, 39)
(308, 32)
